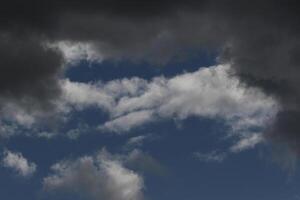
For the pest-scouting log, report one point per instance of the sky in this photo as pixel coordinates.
(143, 100)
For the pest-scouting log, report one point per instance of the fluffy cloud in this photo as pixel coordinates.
(18, 163)
(75, 52)
(97, 177)
(209, 92)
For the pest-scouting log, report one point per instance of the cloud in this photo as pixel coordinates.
(144, 162)
(82, 95)
(127, 122)
(243, 141)
(18, 163)
(259, 39)
(73, 53)
(97, 177)
(29, 73)
(248, 142)
(213, 156)
(137, 141)
(209, 92)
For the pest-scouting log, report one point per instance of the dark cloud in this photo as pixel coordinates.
(260, 39)
(29, 72)
(264, 50)
(286, 129)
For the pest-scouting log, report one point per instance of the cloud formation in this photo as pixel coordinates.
(259, 39)
(248, 142)
(96, 177)
(18, 163)
(138, 141)
(209, 92)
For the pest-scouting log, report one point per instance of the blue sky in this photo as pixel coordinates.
(180, 157)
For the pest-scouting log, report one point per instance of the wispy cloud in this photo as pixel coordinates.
(137, 141)
(248, 142)
(213, 156)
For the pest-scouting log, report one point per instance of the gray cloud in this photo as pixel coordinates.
(18, 163)
(143, 162)
(29, 72)
(96, 177)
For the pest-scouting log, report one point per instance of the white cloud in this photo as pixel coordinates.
(98, 177)
(126, 122)
(18, 120)
(82, 95)
(137, 140)
(248, 142)
(18, 163)
(213, 156)
(209, 92)
(75, 52)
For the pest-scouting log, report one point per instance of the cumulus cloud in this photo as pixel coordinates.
(82, 95)
(103, 176)
(209, 92)
(18, 163)
(74, 52)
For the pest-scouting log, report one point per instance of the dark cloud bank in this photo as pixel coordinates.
(259, 38)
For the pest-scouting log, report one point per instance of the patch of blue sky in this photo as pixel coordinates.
(107, 70)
